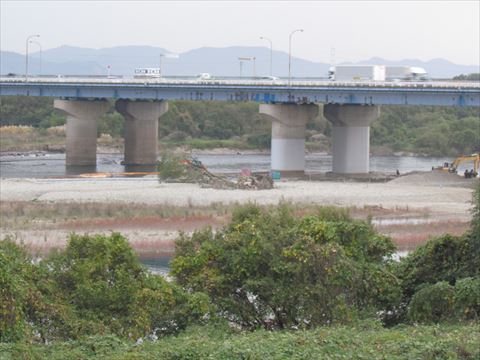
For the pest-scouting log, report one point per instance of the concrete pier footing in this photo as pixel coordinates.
(351, 136)
(288, 135)
(81, 129)
(141, 129)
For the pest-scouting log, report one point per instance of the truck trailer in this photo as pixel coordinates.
(357, 73)
(376, 73)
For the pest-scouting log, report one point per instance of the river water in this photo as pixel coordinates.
(52, 165)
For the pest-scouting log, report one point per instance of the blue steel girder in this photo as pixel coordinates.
(371, 95)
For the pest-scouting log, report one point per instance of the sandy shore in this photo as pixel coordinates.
(436, 199)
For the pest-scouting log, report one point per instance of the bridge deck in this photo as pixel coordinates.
(446, 93)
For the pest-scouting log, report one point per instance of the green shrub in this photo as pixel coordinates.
(446, 258)
(99, 275)
(95, 286)
(432, 303)
(174, 167)
(467, 299)
(102, 279)
(14, 287)
(270, 269)
(260, 141)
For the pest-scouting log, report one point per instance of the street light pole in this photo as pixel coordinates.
(26, 54)
(271, 51)
(40, 46)
(290, 53)
(160, 68)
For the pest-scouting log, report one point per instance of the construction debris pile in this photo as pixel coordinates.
(178, 168)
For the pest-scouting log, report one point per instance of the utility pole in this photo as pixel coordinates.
(290, 53)
(26, 54)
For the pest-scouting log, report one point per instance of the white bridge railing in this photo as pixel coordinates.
(240, 82)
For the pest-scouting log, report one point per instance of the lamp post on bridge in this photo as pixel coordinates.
(170, 56)
(290, 53)
(271, 51)
(160, 68)
(40, 46)
(26, 53)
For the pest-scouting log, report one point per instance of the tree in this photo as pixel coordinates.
(95, 286)
(445, 259)
(273, 270)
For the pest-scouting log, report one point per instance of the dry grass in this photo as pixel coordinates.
(56, 131)
(14, 130)
(27, 138)
(28, 214)
(409, 236)
(31, 214)
(150, 227)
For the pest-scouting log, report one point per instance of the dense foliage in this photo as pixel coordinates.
(266, 269)
(419, 129)
(445, 270)
(95, 286)
(364, 340)
(274, 270)
(429, 130)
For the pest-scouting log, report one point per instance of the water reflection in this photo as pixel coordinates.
(72, 170)
(140, 168)
(157, 265)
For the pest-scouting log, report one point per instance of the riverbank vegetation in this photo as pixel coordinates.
(427, 130)
(267, 285)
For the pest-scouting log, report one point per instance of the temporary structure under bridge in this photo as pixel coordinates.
(209, 179)
(203, 176)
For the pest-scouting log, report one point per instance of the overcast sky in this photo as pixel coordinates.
(357, 30)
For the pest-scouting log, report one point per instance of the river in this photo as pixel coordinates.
(52, 165)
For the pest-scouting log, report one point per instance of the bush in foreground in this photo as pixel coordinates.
(356, 341)
(441, 279)
(273, 270)
(95, 286)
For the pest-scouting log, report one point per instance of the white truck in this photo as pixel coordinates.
(405, 73)
(357, 73)
(376, 73)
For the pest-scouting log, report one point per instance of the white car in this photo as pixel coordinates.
(204, 76)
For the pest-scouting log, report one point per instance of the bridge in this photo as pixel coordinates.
(350, 106)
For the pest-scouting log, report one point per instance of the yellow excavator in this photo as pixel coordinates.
(453, 166)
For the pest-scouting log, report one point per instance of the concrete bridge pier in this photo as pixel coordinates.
(288, 135)
(82, 115)
(141, 129)
(351, 136)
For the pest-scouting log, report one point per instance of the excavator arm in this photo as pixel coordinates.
(460, 160)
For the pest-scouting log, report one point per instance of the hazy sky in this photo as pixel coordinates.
(357, 30)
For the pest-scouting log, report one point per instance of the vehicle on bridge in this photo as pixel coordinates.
(405, 73)
(357, 73)
(147, 73)
(204, 76)
(377, 73)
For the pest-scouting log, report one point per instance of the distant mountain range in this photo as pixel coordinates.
(122, 60)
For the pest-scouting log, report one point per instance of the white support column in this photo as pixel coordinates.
(141, 129)
(288, 135)
(351, 136)
(82, 116)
